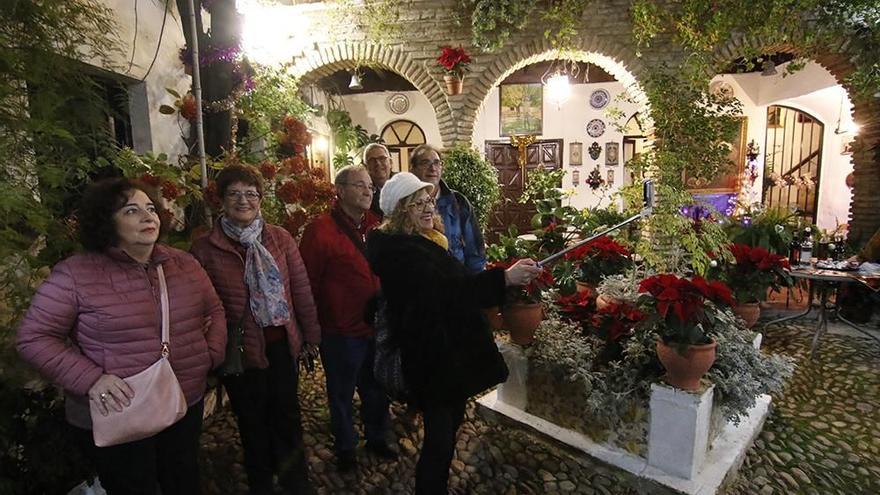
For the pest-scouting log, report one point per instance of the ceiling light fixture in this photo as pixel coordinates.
(355, 83)
(557, 79)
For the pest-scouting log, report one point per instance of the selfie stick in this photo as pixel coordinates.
(647, 198)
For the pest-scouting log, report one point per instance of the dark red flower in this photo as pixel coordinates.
(151, 180)
(170, 191)
(454, 60)
(268, 170)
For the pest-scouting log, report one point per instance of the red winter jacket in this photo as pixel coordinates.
(107, 305)
(225, 265)
(341, 277)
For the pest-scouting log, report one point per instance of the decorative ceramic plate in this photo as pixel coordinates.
(599, 98)
(398, 103)
(596, 128)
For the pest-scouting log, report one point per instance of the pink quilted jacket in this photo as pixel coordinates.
(99, 313)
(225, 266)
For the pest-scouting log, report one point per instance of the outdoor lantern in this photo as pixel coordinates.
(355, 81)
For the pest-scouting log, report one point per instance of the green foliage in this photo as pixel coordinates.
(347, 138)
(702, 26)
(466, 171)
(770, 228)
(563, 18)
(379, 19)
(275, 94)
(543, 184)
(493, 21)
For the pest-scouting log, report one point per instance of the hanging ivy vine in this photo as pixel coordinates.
(492, 22)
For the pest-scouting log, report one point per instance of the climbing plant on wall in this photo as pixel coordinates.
(701, 26)
(492, 22)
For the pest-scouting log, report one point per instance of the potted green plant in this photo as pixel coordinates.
(523, 310)
(466, 171)
(751, 272)
(454, 62)
(681, 312)
(596, 260)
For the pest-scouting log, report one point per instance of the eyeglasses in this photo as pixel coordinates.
(360, 186)
(249, 195)
(429, 163)
(420, 204)
(378, 159)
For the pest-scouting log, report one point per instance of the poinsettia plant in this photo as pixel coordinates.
(682, 311)
(454, 60)
(530, 293)
(599, 258)
(752, 272)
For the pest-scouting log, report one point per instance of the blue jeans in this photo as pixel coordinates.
(348, 363)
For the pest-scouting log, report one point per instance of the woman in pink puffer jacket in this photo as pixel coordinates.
(97, 319)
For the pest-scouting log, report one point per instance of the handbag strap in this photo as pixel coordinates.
(163, 300)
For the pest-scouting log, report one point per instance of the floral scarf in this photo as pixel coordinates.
(261, 274)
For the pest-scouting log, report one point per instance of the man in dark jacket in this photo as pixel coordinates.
(332, 249)
(378, 162)
(459, 222)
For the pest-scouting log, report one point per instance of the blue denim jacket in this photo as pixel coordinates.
(461, 228)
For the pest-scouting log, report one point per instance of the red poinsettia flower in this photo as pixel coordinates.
(454, 60)
(268, 170)
(170, 190)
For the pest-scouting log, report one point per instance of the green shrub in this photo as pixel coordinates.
(470, 174)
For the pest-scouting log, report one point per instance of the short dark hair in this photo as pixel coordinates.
(97, 230)
(239, 172)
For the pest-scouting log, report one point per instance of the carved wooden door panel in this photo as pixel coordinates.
(504, 157)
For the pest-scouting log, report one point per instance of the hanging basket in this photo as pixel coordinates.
(454, 84)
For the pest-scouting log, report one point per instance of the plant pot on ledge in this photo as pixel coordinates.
(749, 312)
(684, 371)
(521, 320)
(454, 84)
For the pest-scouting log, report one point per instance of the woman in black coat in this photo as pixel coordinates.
(433, 312)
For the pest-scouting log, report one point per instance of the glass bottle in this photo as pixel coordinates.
(794, 250)
(807, 247)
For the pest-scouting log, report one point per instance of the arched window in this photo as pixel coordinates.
(401, 136)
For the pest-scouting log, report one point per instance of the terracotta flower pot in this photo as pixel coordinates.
(750, 312)
(454, 84)
(684, 371)
(521, 320)
(582, 286)
(604, 300)
(496, 321)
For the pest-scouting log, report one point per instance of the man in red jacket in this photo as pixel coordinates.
(332, 249)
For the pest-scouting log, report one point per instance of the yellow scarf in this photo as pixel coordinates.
(438, 238)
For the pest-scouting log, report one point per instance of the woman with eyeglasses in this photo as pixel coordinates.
(433, 310)
(97, 321)
(260, 277)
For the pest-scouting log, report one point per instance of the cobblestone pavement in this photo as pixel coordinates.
(822, 437)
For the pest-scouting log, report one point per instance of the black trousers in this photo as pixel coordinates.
(441, 428)
(266, 405)
(169, 459)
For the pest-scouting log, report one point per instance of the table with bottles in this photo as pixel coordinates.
(822, 283)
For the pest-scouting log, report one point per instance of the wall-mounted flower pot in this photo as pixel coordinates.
(454, 84)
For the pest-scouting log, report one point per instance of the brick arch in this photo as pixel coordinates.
(865, 206)
(618, 61)
(326, 59)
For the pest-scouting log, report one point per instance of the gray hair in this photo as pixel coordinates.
(420, 151)
(345, 172)
(370, 147)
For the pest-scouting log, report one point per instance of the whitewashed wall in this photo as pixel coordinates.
(568, 122)
(370, 110)
(151, 130)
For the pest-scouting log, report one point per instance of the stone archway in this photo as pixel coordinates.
(324, 60)
(618, 61)
(865, 206)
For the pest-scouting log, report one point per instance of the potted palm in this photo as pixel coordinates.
(750, 273)
(682, 312)
(454, 62)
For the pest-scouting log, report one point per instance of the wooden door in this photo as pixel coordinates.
(546, 154)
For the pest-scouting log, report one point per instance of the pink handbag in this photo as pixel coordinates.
(158, 399)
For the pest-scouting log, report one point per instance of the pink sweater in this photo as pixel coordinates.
(99, 313)
(225, 265)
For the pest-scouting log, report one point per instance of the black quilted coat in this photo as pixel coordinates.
(433, 310)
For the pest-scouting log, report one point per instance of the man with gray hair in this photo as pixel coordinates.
(378, 162)
(332, 249)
